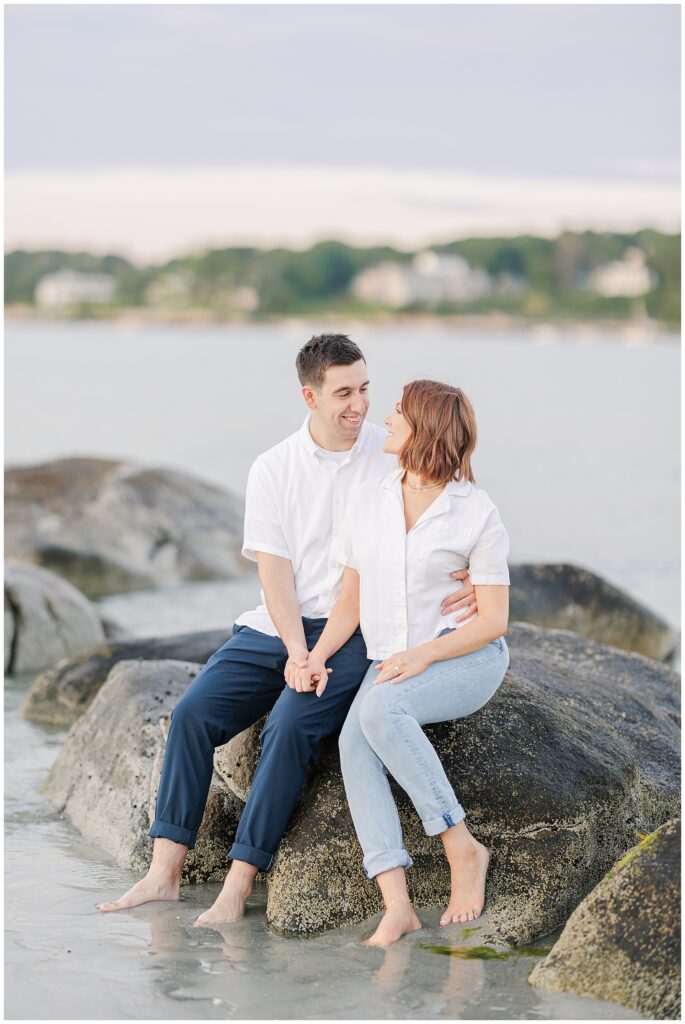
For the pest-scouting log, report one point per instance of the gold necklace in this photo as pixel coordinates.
(413, 487)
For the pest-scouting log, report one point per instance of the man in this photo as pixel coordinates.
(296, 497)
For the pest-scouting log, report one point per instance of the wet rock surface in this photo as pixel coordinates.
(105, 777)
(574, 756)
(111, 527)
(568, 597)
(623, 942)
(46, 619)
(63, 693)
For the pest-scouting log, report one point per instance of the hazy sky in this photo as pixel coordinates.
(557, 94)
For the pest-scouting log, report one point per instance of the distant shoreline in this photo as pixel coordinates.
(495, 322)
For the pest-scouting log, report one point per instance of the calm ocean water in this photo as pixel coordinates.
(579, 432)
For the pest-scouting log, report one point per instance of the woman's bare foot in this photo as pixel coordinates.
(398, 919)
(152, 887)
(230, 903)
(468, 860)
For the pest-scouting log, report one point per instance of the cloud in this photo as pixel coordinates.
(154, 214)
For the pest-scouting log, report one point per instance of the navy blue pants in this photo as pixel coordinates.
(240, 683)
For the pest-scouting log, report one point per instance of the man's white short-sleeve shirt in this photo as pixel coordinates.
(296, 498)
(404, 577)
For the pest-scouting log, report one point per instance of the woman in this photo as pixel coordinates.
(400, 543)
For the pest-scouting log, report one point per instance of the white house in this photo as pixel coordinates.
(630, 276)
(430, 279)
(69, 287)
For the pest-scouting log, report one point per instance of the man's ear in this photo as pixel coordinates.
(309, 396)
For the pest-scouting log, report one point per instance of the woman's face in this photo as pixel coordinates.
(399, 431)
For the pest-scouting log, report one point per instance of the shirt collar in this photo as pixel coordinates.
(314, 449)
(459, 488)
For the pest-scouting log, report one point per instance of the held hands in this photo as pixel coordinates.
(297, 659)
(305, 674)
(463, 601)
(403, 665)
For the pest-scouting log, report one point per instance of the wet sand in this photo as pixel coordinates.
(64, 959)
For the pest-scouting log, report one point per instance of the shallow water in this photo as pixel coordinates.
(66, 960)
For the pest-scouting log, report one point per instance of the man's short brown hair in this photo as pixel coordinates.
(322, 351)
(443, 432)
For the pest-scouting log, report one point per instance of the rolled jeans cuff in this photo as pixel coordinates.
(386, 861)
(257, 858)
(437, 825)
(177, 834)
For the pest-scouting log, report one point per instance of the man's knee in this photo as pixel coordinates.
(192, 713)
(286, 725)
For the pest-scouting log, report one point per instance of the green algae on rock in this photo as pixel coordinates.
(622, 943)
(484, 952)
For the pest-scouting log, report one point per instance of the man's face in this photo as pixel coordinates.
(341, 403)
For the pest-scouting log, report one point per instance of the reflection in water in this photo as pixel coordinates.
(455, 986)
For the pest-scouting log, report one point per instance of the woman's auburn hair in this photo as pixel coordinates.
(443, 432)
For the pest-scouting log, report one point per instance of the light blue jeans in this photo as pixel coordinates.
(382, 733)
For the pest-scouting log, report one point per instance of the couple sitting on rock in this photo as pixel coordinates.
(358, 534)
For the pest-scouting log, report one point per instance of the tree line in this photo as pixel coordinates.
(551, 272)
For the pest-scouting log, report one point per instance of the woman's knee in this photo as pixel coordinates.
(377, 711)
(350, 738)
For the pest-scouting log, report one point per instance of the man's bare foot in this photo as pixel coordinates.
(152, 887)
(230, 903)
(468, 865)
(398, 920)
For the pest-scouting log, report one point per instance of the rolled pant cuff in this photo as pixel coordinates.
(437, 825)
(258, 858)
(177, 834)
(386, 861)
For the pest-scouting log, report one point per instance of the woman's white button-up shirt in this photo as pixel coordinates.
(404, 577)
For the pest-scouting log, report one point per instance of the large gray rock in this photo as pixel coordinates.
(111, 527)
(63, 693)
(576, 754)
(622, 943)
(106, 775)
(567, 597)
(46, 619)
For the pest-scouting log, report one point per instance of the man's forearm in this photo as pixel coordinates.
(278, 584)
